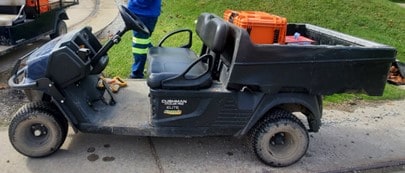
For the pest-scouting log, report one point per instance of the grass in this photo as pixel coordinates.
(391, 93)
(377, 20)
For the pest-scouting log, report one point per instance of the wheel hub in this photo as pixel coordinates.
(278, 139)
(39, 130)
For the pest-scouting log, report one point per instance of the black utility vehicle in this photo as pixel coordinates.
(234, 87)
(24, 21)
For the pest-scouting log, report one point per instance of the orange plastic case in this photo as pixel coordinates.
(264, 28)
(43, 5)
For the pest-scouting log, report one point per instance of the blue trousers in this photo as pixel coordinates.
(140, 45)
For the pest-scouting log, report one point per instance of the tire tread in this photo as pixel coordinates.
(44, 108)
(274, 117)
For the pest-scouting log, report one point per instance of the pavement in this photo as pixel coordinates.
(95, 13)
(370, 137)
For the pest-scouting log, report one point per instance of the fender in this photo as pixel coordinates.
(311, 103)
(67, 114)
(61, 15)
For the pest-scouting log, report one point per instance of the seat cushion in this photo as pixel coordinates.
(7, 19)
(12, 2)
(166, 63)
(167, 59)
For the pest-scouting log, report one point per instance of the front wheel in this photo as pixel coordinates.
(280, 139)
(37, 132)
(61, 28)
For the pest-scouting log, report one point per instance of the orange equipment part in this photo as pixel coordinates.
(44, 5)
(264, 28)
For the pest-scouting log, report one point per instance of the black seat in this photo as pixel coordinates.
(181, 68)
(164, 69)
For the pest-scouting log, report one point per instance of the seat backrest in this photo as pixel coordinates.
(202, 21)
(232, 45)
(12, 2)
(213, 31)
(214, 34)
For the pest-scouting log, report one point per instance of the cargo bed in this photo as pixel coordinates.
(334, 63)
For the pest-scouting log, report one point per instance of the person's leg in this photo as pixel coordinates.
(140, 44)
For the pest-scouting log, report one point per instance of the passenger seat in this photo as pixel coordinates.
(181, 68)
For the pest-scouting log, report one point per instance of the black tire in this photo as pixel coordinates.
(36, 131)
(280, 139)
(47, 107)
(61, 29)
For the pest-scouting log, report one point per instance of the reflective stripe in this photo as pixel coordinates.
(139, 50)
(140, 40)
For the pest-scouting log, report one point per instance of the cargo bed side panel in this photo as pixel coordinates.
(357, 65)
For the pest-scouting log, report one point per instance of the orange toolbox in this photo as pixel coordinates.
(43, 5)
(264, 28)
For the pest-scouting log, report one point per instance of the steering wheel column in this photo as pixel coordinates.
(132, 22)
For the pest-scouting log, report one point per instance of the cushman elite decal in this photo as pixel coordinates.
(173, 106)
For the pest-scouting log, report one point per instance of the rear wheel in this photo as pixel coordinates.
(280, 139)
(61, 28)
(37, 130)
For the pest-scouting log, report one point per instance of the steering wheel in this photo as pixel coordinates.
(132, 22)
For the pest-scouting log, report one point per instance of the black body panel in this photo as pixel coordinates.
(336, 63)
(44, 24)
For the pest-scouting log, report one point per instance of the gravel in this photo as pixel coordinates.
(10, 100)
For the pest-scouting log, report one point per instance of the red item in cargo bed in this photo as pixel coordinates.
(264, 28)
(300, 40)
